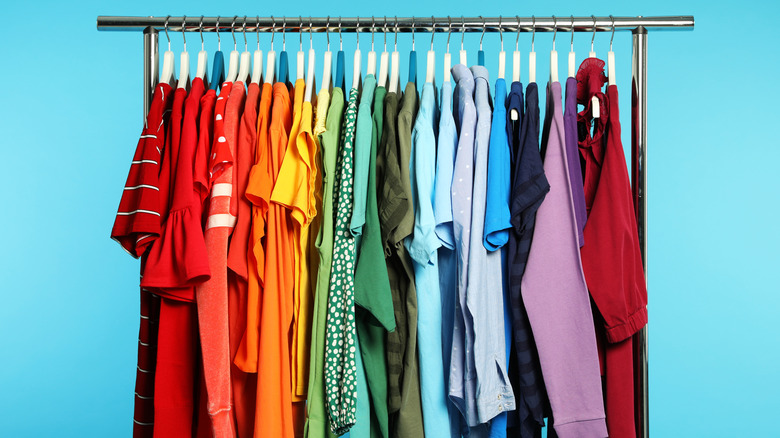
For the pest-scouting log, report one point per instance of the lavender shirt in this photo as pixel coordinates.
(573, 157)
(557, 301)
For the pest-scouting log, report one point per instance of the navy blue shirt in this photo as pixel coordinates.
(529, 187)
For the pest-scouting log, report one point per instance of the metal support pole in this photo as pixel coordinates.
(639, 188)
(150, 66)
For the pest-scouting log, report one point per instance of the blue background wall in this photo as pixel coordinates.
(71, 113)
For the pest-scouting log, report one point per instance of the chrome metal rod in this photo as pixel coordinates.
(639, 180)
(150, 66)
(393, 24)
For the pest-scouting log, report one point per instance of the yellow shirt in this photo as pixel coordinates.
(294, 189)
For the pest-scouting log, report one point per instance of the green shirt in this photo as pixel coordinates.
(340, 334)
(375, 315)
(316, 422)
(397, 222)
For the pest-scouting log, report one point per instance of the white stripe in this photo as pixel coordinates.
(144, 317)
(143, 370)
(144, 162)
(221, 220)
(128, 213)
(158, 150)
(145, 236)
(142, 424)
(142, 186)
(149, 136)
(222, 189)
(143, 398)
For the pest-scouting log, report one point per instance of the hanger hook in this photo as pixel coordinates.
(555, 30)
(433, 30)
(483, 32)
(462, 30)
(449, 32)
(613, 32)
(246, 47)
(501, 33)
(166, 32)
(232, 31)
(373, 28)
(257, 30)
(341, 41)
(412, 33)
(273, 31)
(200, 28)
(300, 33)
(357, 31)
(327, 31)
(384, 32)
(311, 37)
(517, 38)
(395, 31)
(183, 27)
(284, 33)
(219, 38)
(572, 33)
(533, 31)
(592, 38)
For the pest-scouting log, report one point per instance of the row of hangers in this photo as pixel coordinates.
(239, 65)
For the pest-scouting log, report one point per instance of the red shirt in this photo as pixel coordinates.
(137, 225)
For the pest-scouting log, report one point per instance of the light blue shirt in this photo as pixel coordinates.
(463, 383)
(363, 128)
(422, 247)
(484, 293)
(448, 269)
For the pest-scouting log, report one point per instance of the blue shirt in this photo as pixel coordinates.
(497, 215)
(446, 143)
(463, 384)
(484, 293)
(529, 188)
(422, 247)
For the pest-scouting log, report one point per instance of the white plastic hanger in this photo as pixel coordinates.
(203, 58)
(430, 73)
(184, 59)
(554, 54)
(611, 56)
(594, 101)
(299, 65)
(382, 79)
(502, 53)
(270, 65)
(327, 61)
(532, 55)
(516, 59)
(371, 67)
(246, 60)
(169, 61)
(396, 60)
(572, 60)
(233, 64)
(448, 56)
(257, 64)
(463, 58)
(357, 59)
(307, 95)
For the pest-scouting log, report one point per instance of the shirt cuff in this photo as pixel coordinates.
(596, 428)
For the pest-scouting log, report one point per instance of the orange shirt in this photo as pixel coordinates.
(258, 192)
(274, 412)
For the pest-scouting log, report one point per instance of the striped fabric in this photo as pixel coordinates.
(136, 227)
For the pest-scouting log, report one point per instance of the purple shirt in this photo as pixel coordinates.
(573, 157)
(557, 301)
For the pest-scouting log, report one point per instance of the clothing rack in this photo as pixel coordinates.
(638, 26)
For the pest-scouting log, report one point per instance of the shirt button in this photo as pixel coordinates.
(500, 408)
(498, 397)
